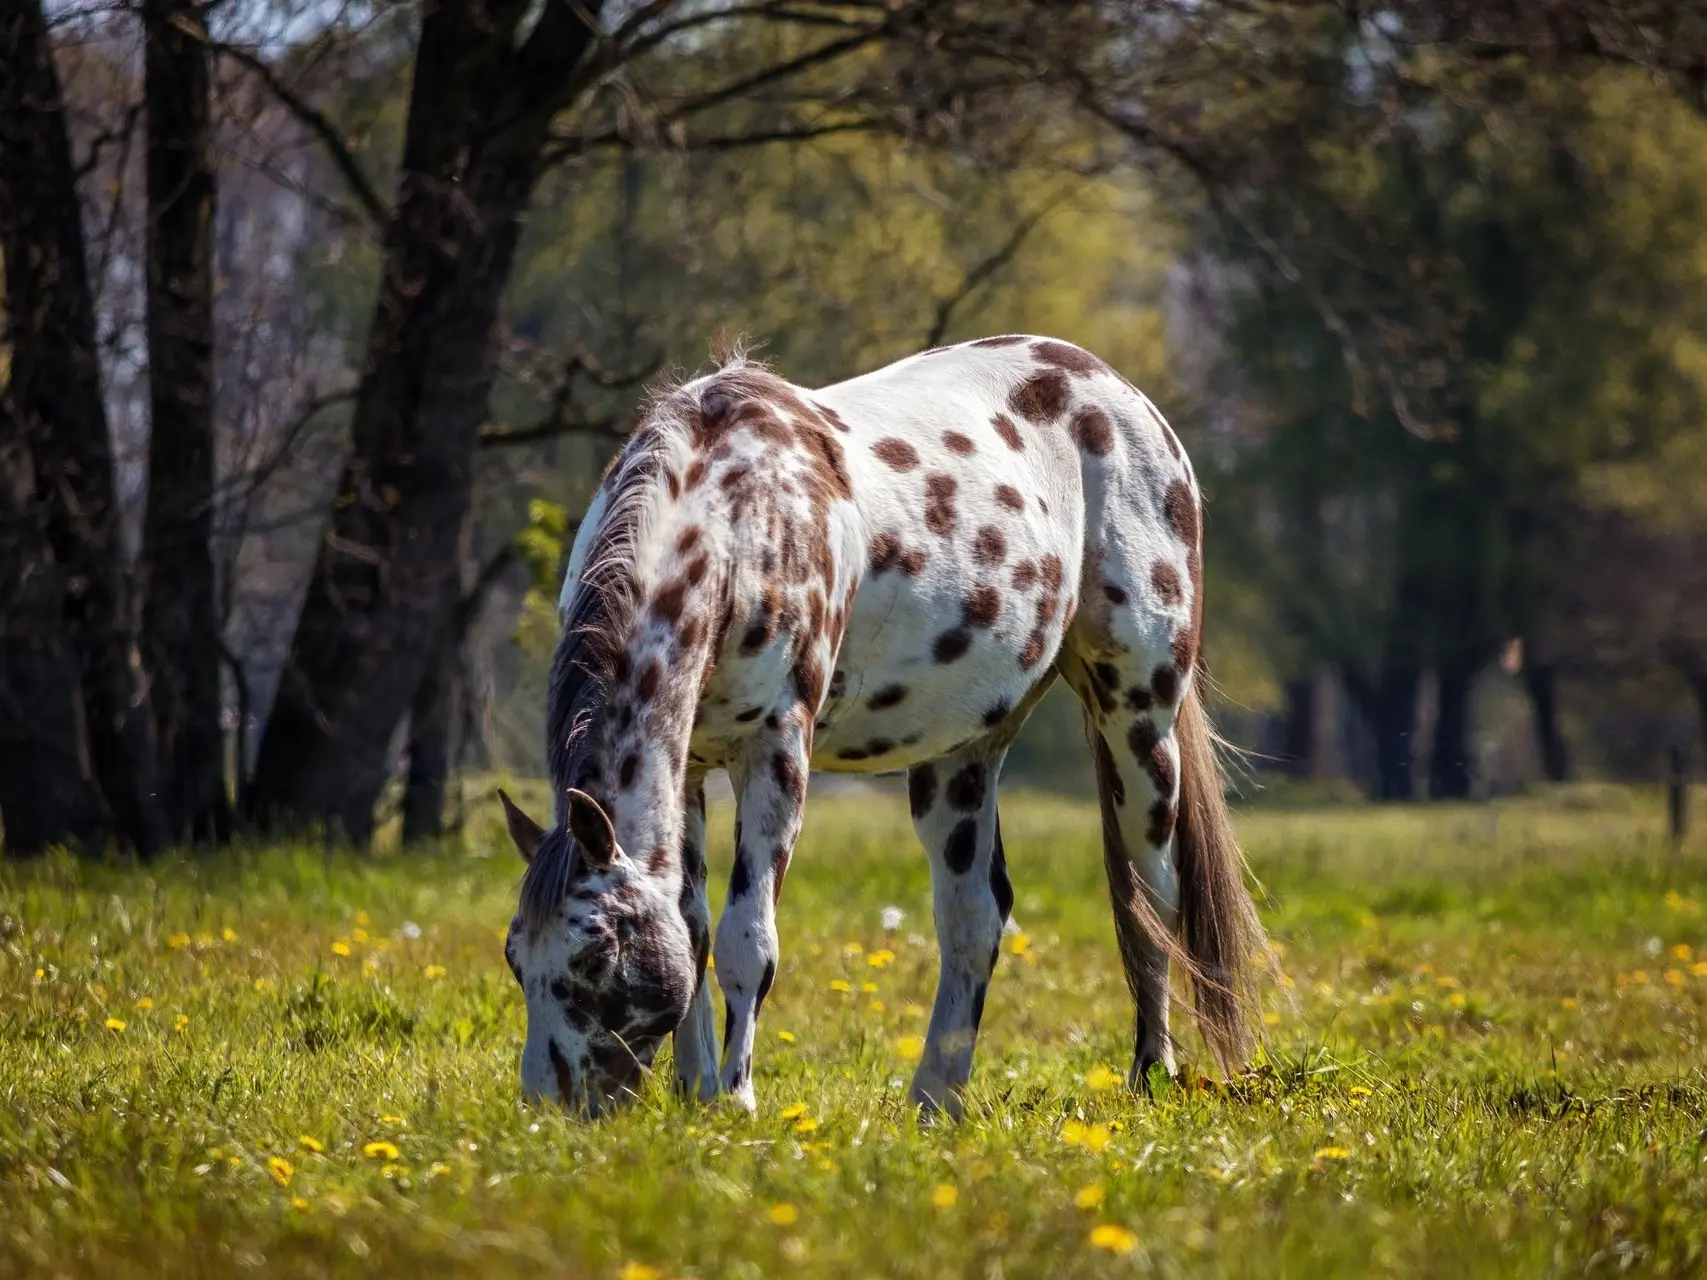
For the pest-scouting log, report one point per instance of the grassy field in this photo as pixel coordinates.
(1485, 1058)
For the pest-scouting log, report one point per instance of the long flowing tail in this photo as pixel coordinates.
(1226, 950)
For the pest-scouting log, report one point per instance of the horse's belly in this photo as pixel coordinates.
(930, 662)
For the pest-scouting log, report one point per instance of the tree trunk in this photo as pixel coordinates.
(181, 624)
(433, 718)
(1298, 735)
(1394, 722)
(48, 792)
(479, 117)
(1541, 680)
(55, 395)
(1450, 766)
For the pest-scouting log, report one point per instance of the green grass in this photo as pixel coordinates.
(1488, 1060)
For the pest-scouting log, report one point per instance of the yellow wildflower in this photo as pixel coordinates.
(182, 1024)
(1089, 1196)
(392, 1120)
(115, 1024)
(1682, 951)
(787, 1037)
(434, 972)
(1100, 1078)
(340, 948)
(1568, 1003)
(358, 935)
(793, 1111)
(1699, 968)
(308, 1142)
(178, 941)
(946, 1196)
(639, 1271)
(1333, 1153)
(852, 949)
(380, 1151)
(868, 988)
(1092, 1137)
(1116, 1239)
(1271, 1019)
(391, 1169)
(883, 956)
(280, 1169)
(145, 1002)
(228, 934)
(1456, 1000)
(1673, 978)
(1360, 1091)
(784, 1214)
(298, 1203)
(438, 1169)
(910, 1048)
(840, 984)
(806, 1124)
(362, 918)
(1020, 944)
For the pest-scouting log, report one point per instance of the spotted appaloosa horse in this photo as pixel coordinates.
(884, 574)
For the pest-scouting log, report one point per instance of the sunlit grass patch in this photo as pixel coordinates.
(1485, 1058)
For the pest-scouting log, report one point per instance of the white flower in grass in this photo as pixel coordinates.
(893, 918)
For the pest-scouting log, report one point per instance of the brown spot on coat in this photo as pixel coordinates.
(789, 776)
(888, 696)
(808, 678)
(1165, 579)
(688, 541)
(1025, 575)
(1064, 355)
(1092, 430)
(983, 607)
(1116, 595)
(1179, 504)
(990, 547)
(1041, 398)
(957, 443)
(1161, 823)
(625, 775)
(1032, 653)
(912, 562)
(952, 645)
(667, 604)
(1005, 340)
(1010, 497)
(696, 473)
(897, 453)
(1052, 572)
(1165, 681)
(939, 503)
(997, 713)
(965, 790)
(647, 685)
(885, 552)
(1009, 432)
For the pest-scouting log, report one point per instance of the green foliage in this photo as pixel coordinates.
(1485, 1060)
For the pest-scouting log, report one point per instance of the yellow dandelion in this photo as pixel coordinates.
(204, 939)
(910, 1048)
(380, 1151)
(1568, 1003)
(884, 956)
(877, 1006)
(308, 1142)
(1446, 981)
(280, 1170)
(852, 949)
(841, 984)
(913, 1010)
(1114, 1238)
(1333, 1153)
(264, 984)
(1360, 1091)
(40, 974)
(868, 988)
(391, 1169)
(1640, 977)
(182, 1024)
(640, 1271)
(358, 935)
(298, 1203)
(1089, 1196)
(228, 934)
(1456, 1000)
(392, 1120)
(787, 1037)
(945, 1197)
(1020, 944)
(362, 918)
(784, 1214)
(1100, 1078)
(434, 972)
(793, 1111)
(178, 941)
(1682, 951)
(115, 1024)
(145, 1002)
(340, 948)
(1092, 1137)
(1673, 978)
(1699, 968)
(806, 1124)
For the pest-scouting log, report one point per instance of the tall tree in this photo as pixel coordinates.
(69, 536)
(181, 620)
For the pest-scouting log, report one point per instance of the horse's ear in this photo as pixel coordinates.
(523, 829)
(591, 827)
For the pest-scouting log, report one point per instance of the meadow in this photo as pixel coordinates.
(1484, 1057)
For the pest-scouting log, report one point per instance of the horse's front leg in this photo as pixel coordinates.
(696, 1038)
(954, 811)
(770, 787)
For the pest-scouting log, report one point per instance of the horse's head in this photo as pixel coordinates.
(603, 956)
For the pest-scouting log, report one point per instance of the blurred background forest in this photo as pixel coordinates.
(322, 318)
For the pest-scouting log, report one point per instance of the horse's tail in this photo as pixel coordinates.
(1226, 949)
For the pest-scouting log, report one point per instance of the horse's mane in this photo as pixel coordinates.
(599, 616)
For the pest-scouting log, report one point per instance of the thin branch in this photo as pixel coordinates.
(550, 429)
(985, 268)
(378, 210)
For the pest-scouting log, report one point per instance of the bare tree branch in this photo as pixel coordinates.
(985, 268)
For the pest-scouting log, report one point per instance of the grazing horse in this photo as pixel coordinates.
(880, 575)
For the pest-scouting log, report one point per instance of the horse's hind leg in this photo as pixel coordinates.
(954, 811)
(696, 1038)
